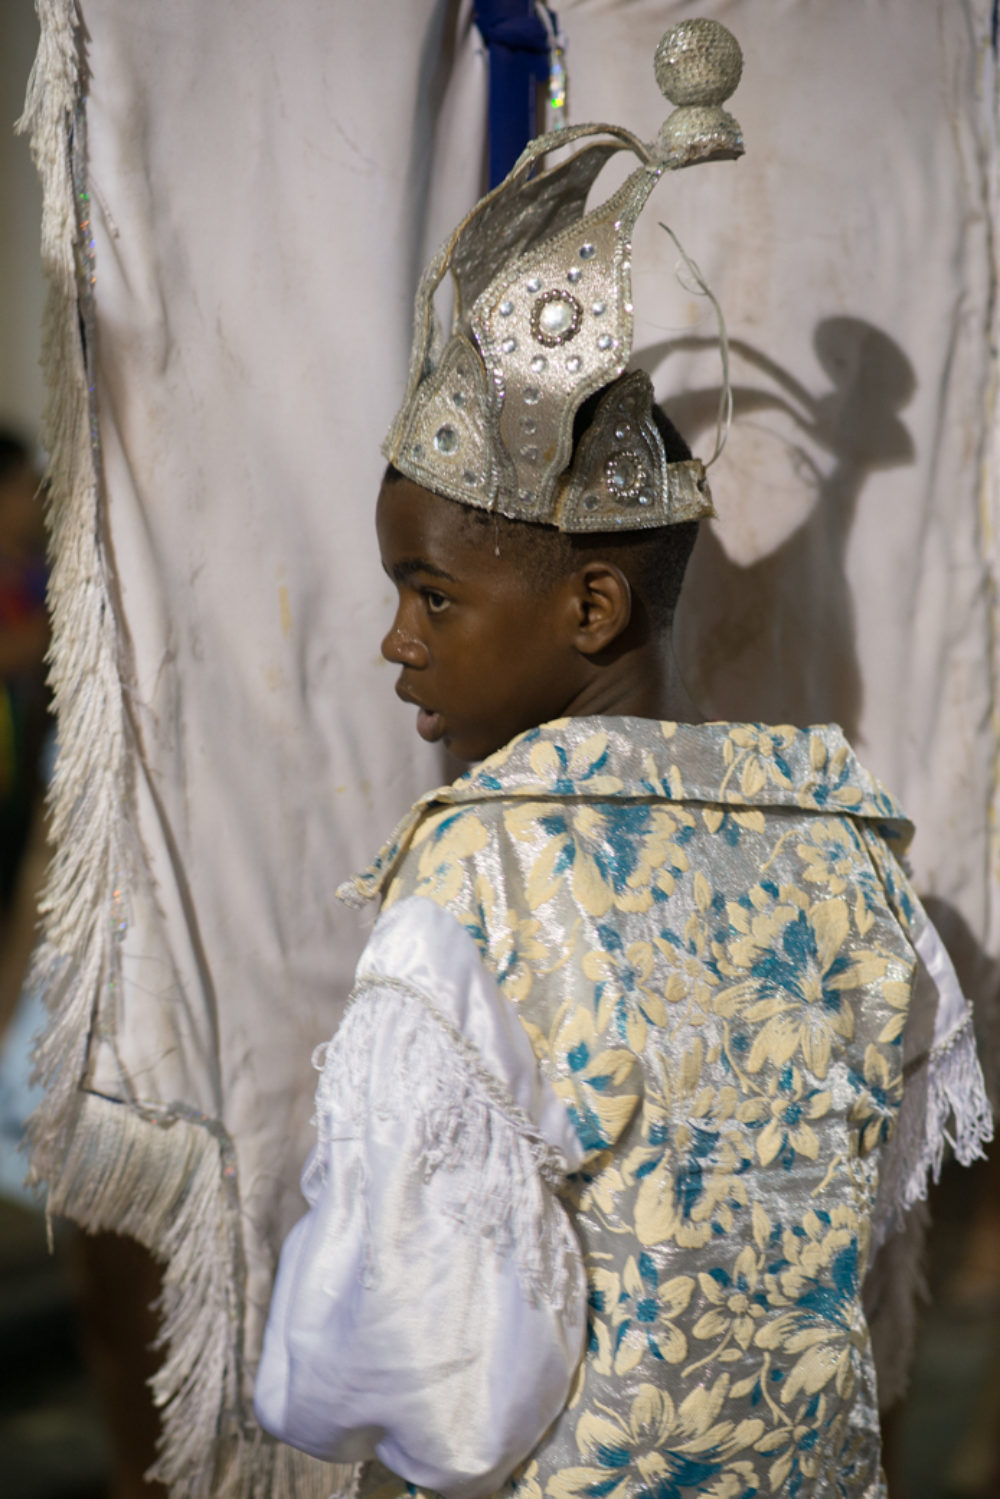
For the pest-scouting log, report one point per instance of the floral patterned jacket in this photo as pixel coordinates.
(712, 947)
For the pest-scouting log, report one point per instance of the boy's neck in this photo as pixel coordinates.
(643, 682)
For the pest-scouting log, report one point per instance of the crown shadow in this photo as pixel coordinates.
(774, 640)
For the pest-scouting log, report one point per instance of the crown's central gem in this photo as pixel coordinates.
(555, 317)
(626, 474)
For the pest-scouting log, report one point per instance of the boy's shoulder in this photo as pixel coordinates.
(627, 768)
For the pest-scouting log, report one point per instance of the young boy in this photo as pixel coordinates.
(617, 1116)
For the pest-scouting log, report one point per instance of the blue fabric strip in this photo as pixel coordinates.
(518, 48)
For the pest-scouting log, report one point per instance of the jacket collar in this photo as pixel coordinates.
(733, 765)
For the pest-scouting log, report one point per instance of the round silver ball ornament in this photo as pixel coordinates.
(698, 62)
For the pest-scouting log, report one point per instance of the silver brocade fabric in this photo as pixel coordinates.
(704, 931)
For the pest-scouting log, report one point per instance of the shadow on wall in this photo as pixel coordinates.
(773, 640)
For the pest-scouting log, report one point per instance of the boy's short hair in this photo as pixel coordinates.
(653, 561)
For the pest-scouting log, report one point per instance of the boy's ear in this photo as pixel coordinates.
(603, 604)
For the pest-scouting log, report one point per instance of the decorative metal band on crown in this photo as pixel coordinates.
(543, 319)
(621, 477)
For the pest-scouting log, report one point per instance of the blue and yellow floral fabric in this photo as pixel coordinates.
(704, 930)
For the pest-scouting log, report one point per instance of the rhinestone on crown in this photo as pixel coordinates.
(626, 474)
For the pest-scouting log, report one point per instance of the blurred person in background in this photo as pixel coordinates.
(24, 636)
(24, 734)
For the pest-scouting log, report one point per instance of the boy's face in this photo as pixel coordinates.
(484, 653)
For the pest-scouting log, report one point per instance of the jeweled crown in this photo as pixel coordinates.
(542, 319)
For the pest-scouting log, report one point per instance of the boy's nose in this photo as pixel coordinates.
(403, 649)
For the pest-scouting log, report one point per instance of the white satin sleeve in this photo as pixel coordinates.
(429, 1309)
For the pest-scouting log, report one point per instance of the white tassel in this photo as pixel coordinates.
(107, 1164)
(161, 1183)
(78, 956)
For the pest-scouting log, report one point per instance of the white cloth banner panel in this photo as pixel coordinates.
(266, 220)
(268, 182)
(265, 191)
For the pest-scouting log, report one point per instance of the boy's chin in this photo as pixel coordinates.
(469, 749)
(470, 743)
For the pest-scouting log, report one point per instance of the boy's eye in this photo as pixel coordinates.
(436, 602)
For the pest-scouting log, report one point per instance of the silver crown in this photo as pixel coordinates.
(543, 318)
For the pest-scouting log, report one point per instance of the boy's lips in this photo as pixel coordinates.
(430, 725)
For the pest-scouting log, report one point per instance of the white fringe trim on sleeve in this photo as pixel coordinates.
(499, 1167)
(944, 1098)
